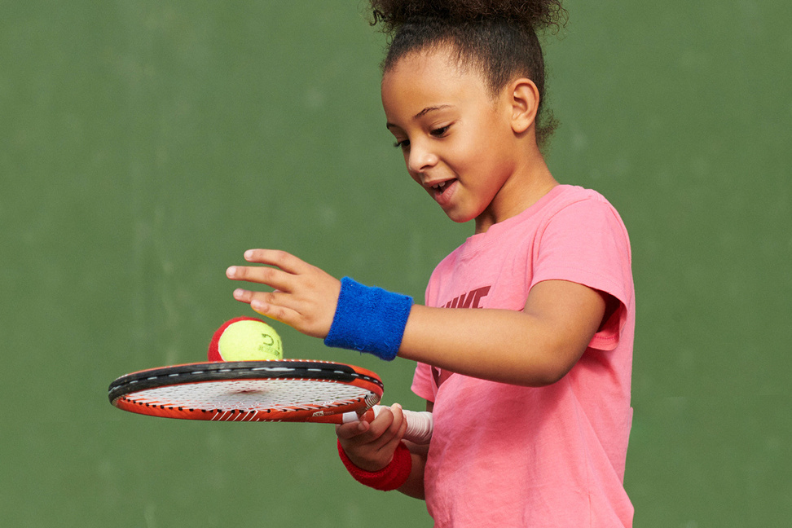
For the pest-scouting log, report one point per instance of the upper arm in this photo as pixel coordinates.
(571, 313)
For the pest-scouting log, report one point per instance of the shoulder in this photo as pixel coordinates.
(584, 240)
(573, 199)
(582, 210)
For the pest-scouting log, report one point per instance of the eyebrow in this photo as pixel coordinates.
(423, 113)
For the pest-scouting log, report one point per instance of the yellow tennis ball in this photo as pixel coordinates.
(245, 339)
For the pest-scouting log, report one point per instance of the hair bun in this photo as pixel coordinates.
(538, 14)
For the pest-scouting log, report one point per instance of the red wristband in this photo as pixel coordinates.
(388, 478)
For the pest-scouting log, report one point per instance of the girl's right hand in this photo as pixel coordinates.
(370, 446)
(304, 296)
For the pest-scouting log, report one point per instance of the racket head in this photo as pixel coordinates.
(285, 390)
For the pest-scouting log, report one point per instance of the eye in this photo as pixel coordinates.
(440, 132)
(403, 144)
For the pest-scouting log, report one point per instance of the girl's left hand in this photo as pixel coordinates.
(304, 296)
(370, 446)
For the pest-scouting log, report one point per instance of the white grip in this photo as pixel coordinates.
(419, 427)
(419, 424)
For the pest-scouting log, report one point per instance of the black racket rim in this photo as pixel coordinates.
(218, 371)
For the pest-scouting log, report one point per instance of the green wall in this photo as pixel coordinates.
(144, 145)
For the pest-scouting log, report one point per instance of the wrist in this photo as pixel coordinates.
(369, 319)
(391, 477)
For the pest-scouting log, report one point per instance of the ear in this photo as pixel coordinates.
(524, 100)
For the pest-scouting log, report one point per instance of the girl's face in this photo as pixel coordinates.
(457, 140)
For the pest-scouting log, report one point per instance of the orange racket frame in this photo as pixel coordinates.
(250, 391)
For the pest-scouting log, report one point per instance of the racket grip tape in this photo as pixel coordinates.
(419, 427)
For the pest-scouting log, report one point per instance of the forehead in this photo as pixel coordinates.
(430, 77)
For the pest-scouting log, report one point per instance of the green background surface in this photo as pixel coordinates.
(144, 145)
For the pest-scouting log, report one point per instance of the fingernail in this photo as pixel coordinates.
(248, 254)
(230, 272)
(257, 305)
(238, 293)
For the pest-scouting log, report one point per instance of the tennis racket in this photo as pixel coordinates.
(261, 391)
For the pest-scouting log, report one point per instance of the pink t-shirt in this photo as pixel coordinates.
(554, 456)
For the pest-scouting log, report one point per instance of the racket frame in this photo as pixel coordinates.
(122, 391)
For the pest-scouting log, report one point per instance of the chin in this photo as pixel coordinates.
(459, 217)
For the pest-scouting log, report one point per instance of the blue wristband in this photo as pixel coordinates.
(369, 319)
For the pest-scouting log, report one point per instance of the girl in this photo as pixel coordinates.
(524, 345)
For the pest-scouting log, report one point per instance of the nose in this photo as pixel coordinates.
(420, 157)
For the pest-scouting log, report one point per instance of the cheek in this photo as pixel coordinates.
(466, 156)
(483, 152)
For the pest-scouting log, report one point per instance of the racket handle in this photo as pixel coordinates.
(419, 424)
(419, 427)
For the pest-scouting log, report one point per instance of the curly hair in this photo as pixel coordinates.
(499, 37)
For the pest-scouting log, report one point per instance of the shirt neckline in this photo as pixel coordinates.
(476, 243)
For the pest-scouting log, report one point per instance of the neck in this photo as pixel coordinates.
(529, 182)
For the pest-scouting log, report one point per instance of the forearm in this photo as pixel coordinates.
(531, 348)
(414, 486)
(498, 345)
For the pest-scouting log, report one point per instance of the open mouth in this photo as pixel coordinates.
(441, 191)
(442, 186)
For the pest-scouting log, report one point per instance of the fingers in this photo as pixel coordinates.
(281, 259)
(279, 313)
(398, 427)
(399, 420)
(273, 277)
(304, 296)
(352, 430)
(388, 426)
(263, 299)
(275, 305)
(286, 267)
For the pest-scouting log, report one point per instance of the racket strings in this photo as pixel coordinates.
(253, 396)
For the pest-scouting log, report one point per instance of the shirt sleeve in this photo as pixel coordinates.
(586, 243)
(422, 382)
